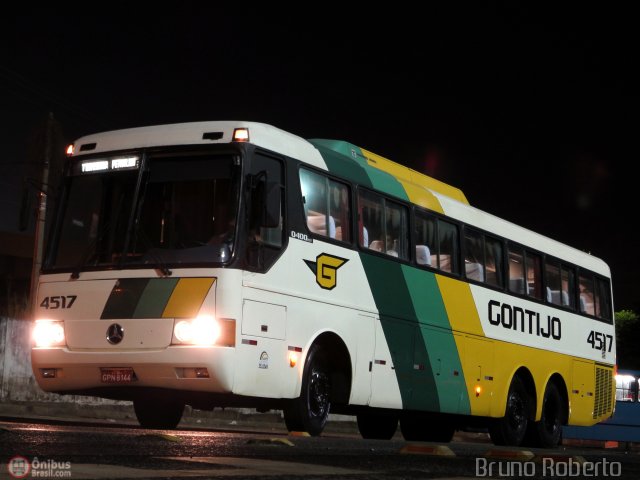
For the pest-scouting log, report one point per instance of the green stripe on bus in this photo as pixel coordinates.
(154, 298)
(124, 297)
(346, 160)
(440, 345)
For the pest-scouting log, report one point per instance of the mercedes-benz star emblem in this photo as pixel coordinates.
(115, 334)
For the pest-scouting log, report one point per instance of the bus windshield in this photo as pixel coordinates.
(185, 212)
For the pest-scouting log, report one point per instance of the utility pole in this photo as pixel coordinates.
(38, 244)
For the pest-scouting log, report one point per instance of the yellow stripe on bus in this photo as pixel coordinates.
(416, 184)
(187, 297)
(460, 306)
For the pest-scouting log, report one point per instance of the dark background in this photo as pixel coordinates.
(531, 111)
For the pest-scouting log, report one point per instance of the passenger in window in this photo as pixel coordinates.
(391, 246)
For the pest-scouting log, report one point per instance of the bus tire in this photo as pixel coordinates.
(547, 433)
(309, 412)
(158, 413)
(377, 426)
(426, 428)
(512, 428)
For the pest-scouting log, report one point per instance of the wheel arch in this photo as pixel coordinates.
(526, 377)
(558, 380)
(340, 365)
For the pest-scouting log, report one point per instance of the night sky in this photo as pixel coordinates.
(533, 113)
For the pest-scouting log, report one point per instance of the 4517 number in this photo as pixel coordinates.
(58, 301)
(600, 341)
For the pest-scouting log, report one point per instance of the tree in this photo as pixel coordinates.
(627, 338)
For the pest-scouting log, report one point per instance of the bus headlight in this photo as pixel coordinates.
(48, 333)
(203, 330)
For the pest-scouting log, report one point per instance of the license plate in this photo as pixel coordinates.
(117, 375)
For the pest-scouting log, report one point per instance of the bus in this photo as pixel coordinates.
(233, 264)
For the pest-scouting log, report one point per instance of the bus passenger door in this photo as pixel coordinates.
(365, 344)
(390, 366)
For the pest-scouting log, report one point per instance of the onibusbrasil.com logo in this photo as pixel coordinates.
(22, 467)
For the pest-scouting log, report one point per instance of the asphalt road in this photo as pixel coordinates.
(84, 450)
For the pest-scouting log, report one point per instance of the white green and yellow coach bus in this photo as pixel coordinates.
(229, 263)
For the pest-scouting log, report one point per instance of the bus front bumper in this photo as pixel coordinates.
(188, 368)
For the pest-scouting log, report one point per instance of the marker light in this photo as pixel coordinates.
(69, 149)
(241, 135)
(203, 330)
(293, 359)
(478, 390)
(48, 333)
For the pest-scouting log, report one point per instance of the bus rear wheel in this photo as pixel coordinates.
(547, 433)
(377, 426)
(158, 413)
(511, 429)
(309, 412)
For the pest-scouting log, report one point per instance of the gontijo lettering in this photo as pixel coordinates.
(524, 320)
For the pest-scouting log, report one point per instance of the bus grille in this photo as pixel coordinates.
(604, 397)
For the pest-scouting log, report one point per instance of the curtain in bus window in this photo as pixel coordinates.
(534, 275)
(448, 247)
(516, 270)
(552, 274)
(339, 210)
(396, 238)
(426, 246)
(494, 263)
(473, 255)
(372, 210)
(568, 287)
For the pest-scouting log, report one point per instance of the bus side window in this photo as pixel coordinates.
(314, 198)
(603, 300)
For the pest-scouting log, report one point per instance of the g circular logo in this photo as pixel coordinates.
(115, 333)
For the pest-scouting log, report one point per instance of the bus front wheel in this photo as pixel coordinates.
(309, 412)
(158, 413)
(511, 429)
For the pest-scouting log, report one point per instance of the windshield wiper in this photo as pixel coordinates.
(156, 258)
